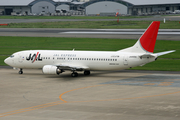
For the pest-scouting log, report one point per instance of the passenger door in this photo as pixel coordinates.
(125, 60)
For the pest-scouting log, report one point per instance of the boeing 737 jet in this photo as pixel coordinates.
(58, 61)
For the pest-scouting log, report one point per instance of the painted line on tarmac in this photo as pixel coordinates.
(126, 33)
(153, 80)
(60, 97)
(43, 105)
(131, 98)
(158, 95)
(30, 108)
(65, 102)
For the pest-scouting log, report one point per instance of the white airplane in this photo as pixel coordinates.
(57, 61)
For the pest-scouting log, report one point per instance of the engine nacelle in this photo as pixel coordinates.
(50, 69)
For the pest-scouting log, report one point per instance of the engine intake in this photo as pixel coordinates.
(50, 69)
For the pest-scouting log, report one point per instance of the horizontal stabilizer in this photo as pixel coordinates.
(163, 53)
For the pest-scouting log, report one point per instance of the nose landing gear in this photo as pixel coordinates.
(20, 71)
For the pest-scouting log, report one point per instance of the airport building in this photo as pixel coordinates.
(88, 7)
(131, 7)
(144, 7)
(106, 7)
(37, 7)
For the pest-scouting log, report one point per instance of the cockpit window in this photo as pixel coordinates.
(12, 56)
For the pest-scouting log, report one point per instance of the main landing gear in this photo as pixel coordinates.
(20, 71)
(75, 74)
(86, 72)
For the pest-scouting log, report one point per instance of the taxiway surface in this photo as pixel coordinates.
(164, 34)
(124, 95)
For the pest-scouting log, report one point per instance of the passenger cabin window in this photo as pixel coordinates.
(83, 59)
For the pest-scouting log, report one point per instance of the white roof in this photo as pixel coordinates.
(134, 2)
(23, 2)
(78, 3)
(62, 0)
(152, 2)
(15, 2)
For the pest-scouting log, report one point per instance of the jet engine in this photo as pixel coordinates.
(50, 69)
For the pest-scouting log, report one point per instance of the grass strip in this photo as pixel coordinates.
(95, 25)
(161, 65)
(71, 17)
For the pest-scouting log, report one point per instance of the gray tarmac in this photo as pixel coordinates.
(104, 95)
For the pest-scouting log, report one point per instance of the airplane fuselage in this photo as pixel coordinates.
(91, 60)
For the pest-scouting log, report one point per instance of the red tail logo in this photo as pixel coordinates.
(148, 39)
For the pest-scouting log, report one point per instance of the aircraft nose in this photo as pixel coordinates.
(7, 61)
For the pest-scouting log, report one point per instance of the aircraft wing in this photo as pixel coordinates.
(72, 67)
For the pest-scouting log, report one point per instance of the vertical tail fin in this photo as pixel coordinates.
(148, 39)
(146, 42)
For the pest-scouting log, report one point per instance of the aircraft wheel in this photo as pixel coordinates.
(74, 74)
(20, 72)
(86, 72)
